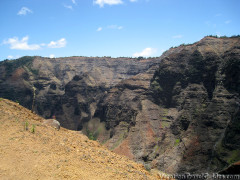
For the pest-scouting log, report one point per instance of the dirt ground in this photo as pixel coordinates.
(31, 150)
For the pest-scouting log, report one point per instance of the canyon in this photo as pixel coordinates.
(178, 112)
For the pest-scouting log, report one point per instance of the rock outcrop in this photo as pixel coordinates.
(178, 113)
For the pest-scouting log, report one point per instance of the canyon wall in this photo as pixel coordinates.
(178, 112)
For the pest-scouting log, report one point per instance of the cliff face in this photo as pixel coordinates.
(201, 82)
(183, 117)
(178, 113)
(68, 88)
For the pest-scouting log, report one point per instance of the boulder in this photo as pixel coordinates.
(52, 122)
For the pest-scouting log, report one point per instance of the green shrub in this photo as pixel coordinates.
(177, 141)
(26, 126)
(33, 129)
(91, 136)
(234, 157)
(156, 86)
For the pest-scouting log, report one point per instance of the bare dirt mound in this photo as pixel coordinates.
(31, 150)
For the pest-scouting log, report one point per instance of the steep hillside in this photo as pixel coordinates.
(31, 150)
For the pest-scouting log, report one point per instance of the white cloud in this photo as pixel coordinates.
(99, 29)
(110, 27)
(109, 2)
(115, 27)
(146, 52)
(177, 36)
(68, 6)
(24, 11)
(133, 0)
(10, 57)
(57, 44)
(211, 24)
(52, 56)
(13, 57)
(74, 1)
(22, 44)
(228, 21)
(218, 34)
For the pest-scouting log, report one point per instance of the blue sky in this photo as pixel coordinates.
(60, 28)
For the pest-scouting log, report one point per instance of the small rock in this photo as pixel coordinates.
(52, 122)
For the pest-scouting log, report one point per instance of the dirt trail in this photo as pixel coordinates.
(50, 154)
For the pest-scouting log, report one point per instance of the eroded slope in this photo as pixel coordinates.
(50, 154)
